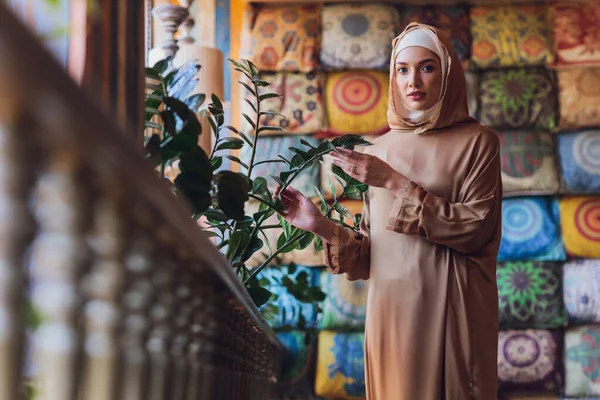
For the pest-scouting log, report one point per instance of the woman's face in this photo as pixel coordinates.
(418, 77)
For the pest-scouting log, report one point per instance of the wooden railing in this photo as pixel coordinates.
(135, 302)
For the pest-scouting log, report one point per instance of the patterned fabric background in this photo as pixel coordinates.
(582, 290)
(576, 33)
(345, 307)
(579, 98)
(358, 35)
(580, 161)
(582, 369)
(580, 219)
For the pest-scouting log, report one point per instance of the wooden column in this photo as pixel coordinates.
(114, 68)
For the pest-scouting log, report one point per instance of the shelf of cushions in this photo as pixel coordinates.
(533, 75)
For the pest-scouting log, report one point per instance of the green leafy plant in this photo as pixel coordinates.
(219, 196)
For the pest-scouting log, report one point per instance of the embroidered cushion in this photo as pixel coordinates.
(357, 102)
(528, 164)
(341, 365)
(530, 295)
(576, 33)
(582, 369)
(529, 360)
(579, 97)
(580, 220)
(301, 104)
(345, 307)
(298, 364)
(508, 36)
(517, 98)
(582, 290)
(531, 230)
(285, 38)
(358, 35)
(580, 161)
(453, 21)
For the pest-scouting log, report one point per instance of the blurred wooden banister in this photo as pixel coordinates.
(135, 301)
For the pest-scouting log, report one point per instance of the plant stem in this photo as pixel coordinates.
(256, 127)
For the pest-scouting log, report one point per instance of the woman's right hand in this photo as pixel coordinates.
(299, 210)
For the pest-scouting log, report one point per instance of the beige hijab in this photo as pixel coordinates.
(451, 107)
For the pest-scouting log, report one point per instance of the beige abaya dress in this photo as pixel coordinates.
(429, 253)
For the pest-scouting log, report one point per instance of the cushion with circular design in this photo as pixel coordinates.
(528, 163)
(581, 290)
(514, 98)
(531, 230)
(580, 220)
(301, 104)
(582, 361)
(341, 365)
(358, 35)
(509, 36)
(579, 97)
(285, 38)
(453, 21)
(580, 161)
(357, 103)
(576, 33)
(298, 364)
(529, 360)
(345, 307)
(530, 295)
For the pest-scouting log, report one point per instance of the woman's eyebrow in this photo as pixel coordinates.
(420, 62)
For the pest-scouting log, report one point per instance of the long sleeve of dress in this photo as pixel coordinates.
(466, 225)
(350, 253)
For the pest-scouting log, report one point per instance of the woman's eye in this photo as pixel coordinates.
(402, 69)
(428, 68)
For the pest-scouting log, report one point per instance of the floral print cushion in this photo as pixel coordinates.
(529, 360)
(580, 220)
(285, 38)
(582, 290)
(357, 103)
(453, 21)
(582, 366)
(531, 230)
(345, 307)
(530, 295)
(300, 107)
(576, 33)
(517, 98)
(508, 36)
(341, 365)
(579, 97)
(528, 163)
(580, 161)
(358, 35)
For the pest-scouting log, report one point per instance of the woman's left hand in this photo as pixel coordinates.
(368, 169)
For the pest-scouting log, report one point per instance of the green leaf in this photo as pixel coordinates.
(325, 146)
(195, 188)
(252, 67)
(239, 65)
(281, 245)
(276, 179)
(260, 83)
(216, 162)
(354, 191)
(251, 105)
(150, 110)
(179, 107)
(305, 241)
(150, 124)
(304, 142)
(343, 211)
(151, 73)
(231, 143)
(292, 268)
(196, 161)
(267, 96)
(273, 113)
(287, 228)
(349, 141)
(210, 234)
(195, 101)
(232, 193)
(248, 88)
(271, 129)
(252, 124)
(324, 205)
(259, 185)
(333, 189)
(216, 101)
(216, 215)
(238, 240)
(318, 243)
(259, 295)
(183, 142)
(237, 160)
(255, 245)
(161, 66)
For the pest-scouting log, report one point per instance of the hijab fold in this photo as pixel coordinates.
(451, 108)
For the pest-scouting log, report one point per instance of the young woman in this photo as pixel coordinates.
(430, 233)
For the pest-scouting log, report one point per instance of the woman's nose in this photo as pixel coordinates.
(415, 80)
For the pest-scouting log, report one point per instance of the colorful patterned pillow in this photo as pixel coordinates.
(579, 97)
(581, 281)
(298, 364)
(580, 220)
(453, 21)
(357, 103)
(341, 365)
(472, 92)
(529, 360)
(531, 230)
(301, 104)
(290, 308)
(576, 33)
(509, 36)
(530, 295)
(580, 161)
(517, 98)
(286, 38)
(358, 35)
(528, 165)
(345, 307)
(582, 364)
(269, 148)
(308, 256)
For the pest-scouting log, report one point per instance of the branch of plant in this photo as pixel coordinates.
(256, 127)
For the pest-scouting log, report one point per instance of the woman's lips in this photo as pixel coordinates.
(416, 96)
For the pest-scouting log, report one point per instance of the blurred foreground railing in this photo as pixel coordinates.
(134, 302)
